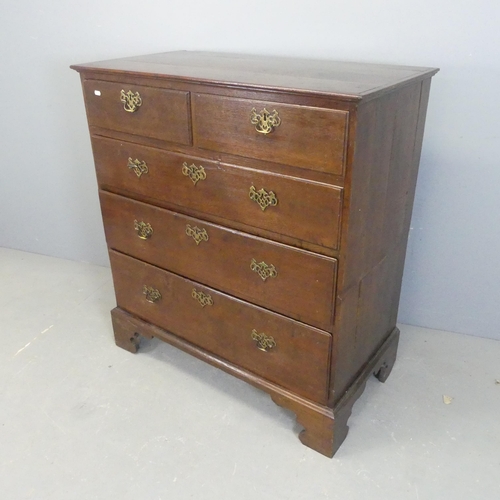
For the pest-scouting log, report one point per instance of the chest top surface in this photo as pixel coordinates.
(344, 80)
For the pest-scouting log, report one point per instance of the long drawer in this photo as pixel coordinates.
(282, 350)
(293, 282)
(305, 210)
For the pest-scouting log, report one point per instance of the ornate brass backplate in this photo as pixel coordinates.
(264, 342)
(143, 229)
(263, 270)
(193, 172)
(131, 101)
(138, 166)
(203, 298)
(197, 234)
(152, 294)
(264, 121)
(263, 198)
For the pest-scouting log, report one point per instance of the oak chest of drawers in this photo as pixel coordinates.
(256, 211)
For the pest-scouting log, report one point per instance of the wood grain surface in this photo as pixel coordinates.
(343, 80)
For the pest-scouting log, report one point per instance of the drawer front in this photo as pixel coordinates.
(306, 137)
(297, 356)
(293, 282)
(145, 111)
(301, 209)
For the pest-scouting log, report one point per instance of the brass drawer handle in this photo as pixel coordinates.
(138, 166)
(197, 234)
(264, 121)
(193, 172)
(152, 294)
(264, 342)
(143, 229)
(263, 270)
(203, 298)
(263, 198)
(131, 101)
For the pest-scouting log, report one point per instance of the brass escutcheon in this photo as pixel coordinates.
(203, 298)
(152, 294)
(131, 101)
(264, 342)
(263, 198)
(138, 166)
(264, 121)
(197, 234)
(143, 229)
(263, 270)
(193, 172)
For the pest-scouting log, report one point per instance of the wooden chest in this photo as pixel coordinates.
(256, 211)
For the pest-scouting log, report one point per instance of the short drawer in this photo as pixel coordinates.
(283, 351)
(290, 281)
(135, 109)
(302, 136)
(306, 210)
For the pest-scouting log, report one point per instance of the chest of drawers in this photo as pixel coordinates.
(256, 211)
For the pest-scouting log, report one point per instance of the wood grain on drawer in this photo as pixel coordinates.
(306, 210)
(307, 137)
(224, 325)
(293, 282)
(163, 114)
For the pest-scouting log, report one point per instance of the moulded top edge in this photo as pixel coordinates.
(345, 80)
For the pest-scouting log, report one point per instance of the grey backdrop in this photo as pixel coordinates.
(48, 198)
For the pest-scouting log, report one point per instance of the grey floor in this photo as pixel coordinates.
(82, 419)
